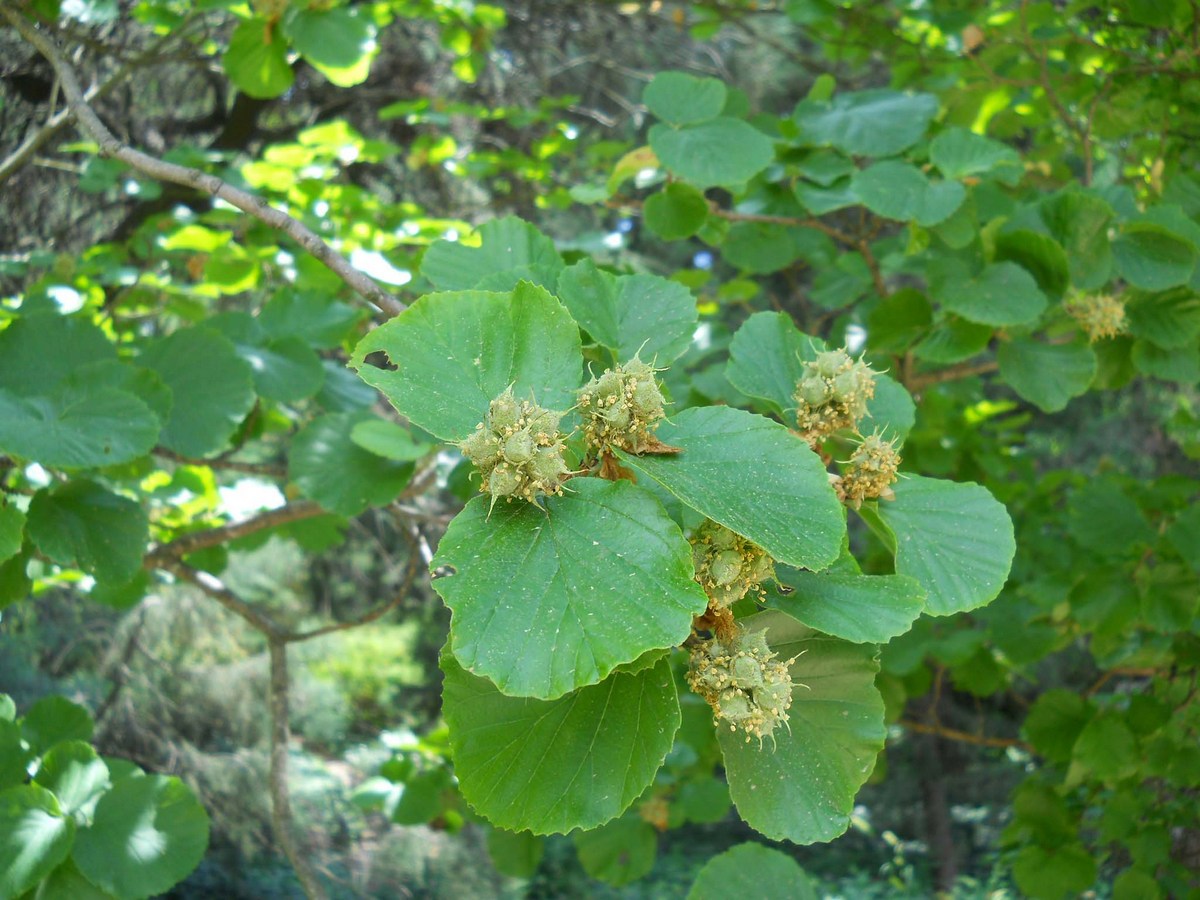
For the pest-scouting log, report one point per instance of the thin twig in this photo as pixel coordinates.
(220, 462)
(194, 178)
(926, 379)
(965, 737)
(199, 540)
(215, 588)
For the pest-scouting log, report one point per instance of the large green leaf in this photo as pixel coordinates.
(866, 123)
(752, 870)
(35, 837)
(891, 411)
(213, 388)
(1180, 364)
(12, 530)
(955, 539)
(1153, 257)
(1168, 320)
(454, 353)
(960, 153)
(312, 316)
(630, 314)
(55, 719)
(1047, 375)
(1079, 222)
(766, 359)
(328, 466)
(39, 351)
(77, 426)
(899, 190)
(76, 775)
(864, 609)
(677, 211)
(286, 369)
(147, 835)
(505, 244)
(801, 787)
(752, 475)
(81, 523)
(548, 601)
(722, 152)
(551, 766)
(256, 60)
(338, 42)
(618, 852)
(1038, 253)
(1001, 295)
(682, 99)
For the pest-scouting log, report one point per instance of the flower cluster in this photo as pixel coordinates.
(744, 682)
(727, 565)
(518, 450)
(832, 395)
(871, 472)
(621, 408)
(1100, 315)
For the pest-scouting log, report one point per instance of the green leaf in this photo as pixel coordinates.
(505, 244)
(754, 476)
(330, 467)
(1079, 222)
(1134, 885)
(8, 709)
(54, 719)
(286, 369)
(516, 854)
(454, 353)
(1184, 535)
(630, 314)
(802, 787)
(1152, 257)
(1001, 295)
(761, 247)
(15, 583)
(73, 772)
(822, 200)
(1103, 518)
(311, 316)
(79, 523)
(12, 530)
(256, 60)
(721, 152)
(864, 609)
(1054, 722)
(1039, 253)
(338, 42)
(544, 602)
(955, 539)
(953, 341)
(213, 388)
(899, 190)
(389, 440)
(752, 870)
(35, 837)
(1180, 364)
(1055, 874)
(77, 426)
(1047, 375)
(766, 359)
(891, 410)
(1107, 748)
(676, 212)
(147, 835)
(1168, 320)
(704, 801)
(40, 351)
(551, 766)
(960, 153)
(683, 99)
(866, 123)
(619, 852)
(68, 882)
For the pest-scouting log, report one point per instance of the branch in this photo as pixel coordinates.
(213, 587)
(965, 737)
(281, 803)
(199, 540)
(919, 381)
(194, 178)
(220, 462)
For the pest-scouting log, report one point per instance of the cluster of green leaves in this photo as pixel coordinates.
(74, 823)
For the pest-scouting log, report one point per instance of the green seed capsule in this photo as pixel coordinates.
(726, 567)
(814, 391)
(520, 448)
(503, 482)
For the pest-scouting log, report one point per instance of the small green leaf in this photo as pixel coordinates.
(754, 476)
(1054, 722)
(35, 837)
(721, 152)
(630, 314)
(863, 609)
(953, 340)
(338, 42)
(1152, 257)
(1181, 364)
(1079, 222)
(801, 786)
(866, 123)
(1047, 375)
(618, 852)
(79, 523)
(389, 440)
(766, 359)
(46, 349)
(682, 99)
(761, 247)
(504, 245)
(330, 467)
(1103, 518)
(311, 316)
(1001, 295)
(1038, 253)
(551, 766)
(516, 854)
(891, 410)
(899, 190)
(68, 882)
(676, 212)
(73, 772)
(54, 719)
(256, 60)
(1168, 320)
(1054, 874)
(147, 835)
(1107, 748)
(544, 602)
(12, 530)
(752, 870)
(960, 153)
(454, 353)
(955, 539)
(213, 388)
